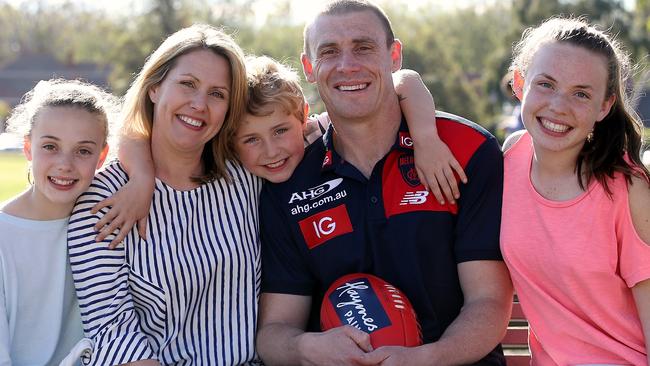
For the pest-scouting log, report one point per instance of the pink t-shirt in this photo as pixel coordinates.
(572, 264)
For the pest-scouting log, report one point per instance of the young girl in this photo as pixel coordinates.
(575, 228)
(65, 128)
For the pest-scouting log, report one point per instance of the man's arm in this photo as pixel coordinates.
(483, 320)
(281, 339)
(479, 327)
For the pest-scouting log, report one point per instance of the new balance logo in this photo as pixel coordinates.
(414, 198)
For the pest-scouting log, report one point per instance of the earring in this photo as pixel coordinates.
(590, 136)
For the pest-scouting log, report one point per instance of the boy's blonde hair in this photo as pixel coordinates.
(272, 84)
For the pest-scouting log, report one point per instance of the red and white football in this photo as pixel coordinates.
(374, 306)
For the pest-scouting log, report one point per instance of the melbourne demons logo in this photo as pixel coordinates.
(357, 305)
(406, 164)
(327, 160)
(326, 225)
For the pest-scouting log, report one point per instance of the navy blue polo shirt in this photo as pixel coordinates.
(329, 220)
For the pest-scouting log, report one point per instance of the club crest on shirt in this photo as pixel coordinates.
(327, 160)
(406, 164)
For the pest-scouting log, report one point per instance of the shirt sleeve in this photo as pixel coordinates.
(5, 345)
(284, 268)
(479, 215)
(101, 278)
(634, 253)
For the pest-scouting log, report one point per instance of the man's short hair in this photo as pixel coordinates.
(338, 7)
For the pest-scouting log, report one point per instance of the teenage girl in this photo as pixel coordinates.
(65, 128)
(575, 229)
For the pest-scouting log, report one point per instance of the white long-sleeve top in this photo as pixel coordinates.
(39, 313)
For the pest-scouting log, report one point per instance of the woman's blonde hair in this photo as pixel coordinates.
(138, 107)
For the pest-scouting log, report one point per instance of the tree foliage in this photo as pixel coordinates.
(462, 54)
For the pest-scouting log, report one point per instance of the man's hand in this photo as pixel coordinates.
(399, 356)
(282, 340)
(339, 346)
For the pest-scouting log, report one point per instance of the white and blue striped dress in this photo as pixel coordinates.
(188, 294)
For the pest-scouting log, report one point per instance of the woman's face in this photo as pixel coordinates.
(191, 103)
(564, 96)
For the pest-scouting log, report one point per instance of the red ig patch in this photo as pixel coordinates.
(326, 225)
(405, 140)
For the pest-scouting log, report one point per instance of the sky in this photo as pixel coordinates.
(302, 7)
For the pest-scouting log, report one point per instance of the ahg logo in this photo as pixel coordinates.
(414, 198)
(315, 192)
(323, 226)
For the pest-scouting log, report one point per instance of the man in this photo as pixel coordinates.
(354, 204)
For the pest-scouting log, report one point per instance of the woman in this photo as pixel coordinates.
(188, 293)
(575, 229)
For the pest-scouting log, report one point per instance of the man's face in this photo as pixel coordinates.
(351, 63)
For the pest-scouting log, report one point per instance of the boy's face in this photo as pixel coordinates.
(270, 146)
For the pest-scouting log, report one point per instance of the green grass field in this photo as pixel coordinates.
(13, 173)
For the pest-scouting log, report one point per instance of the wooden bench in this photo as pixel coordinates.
(515, 343)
